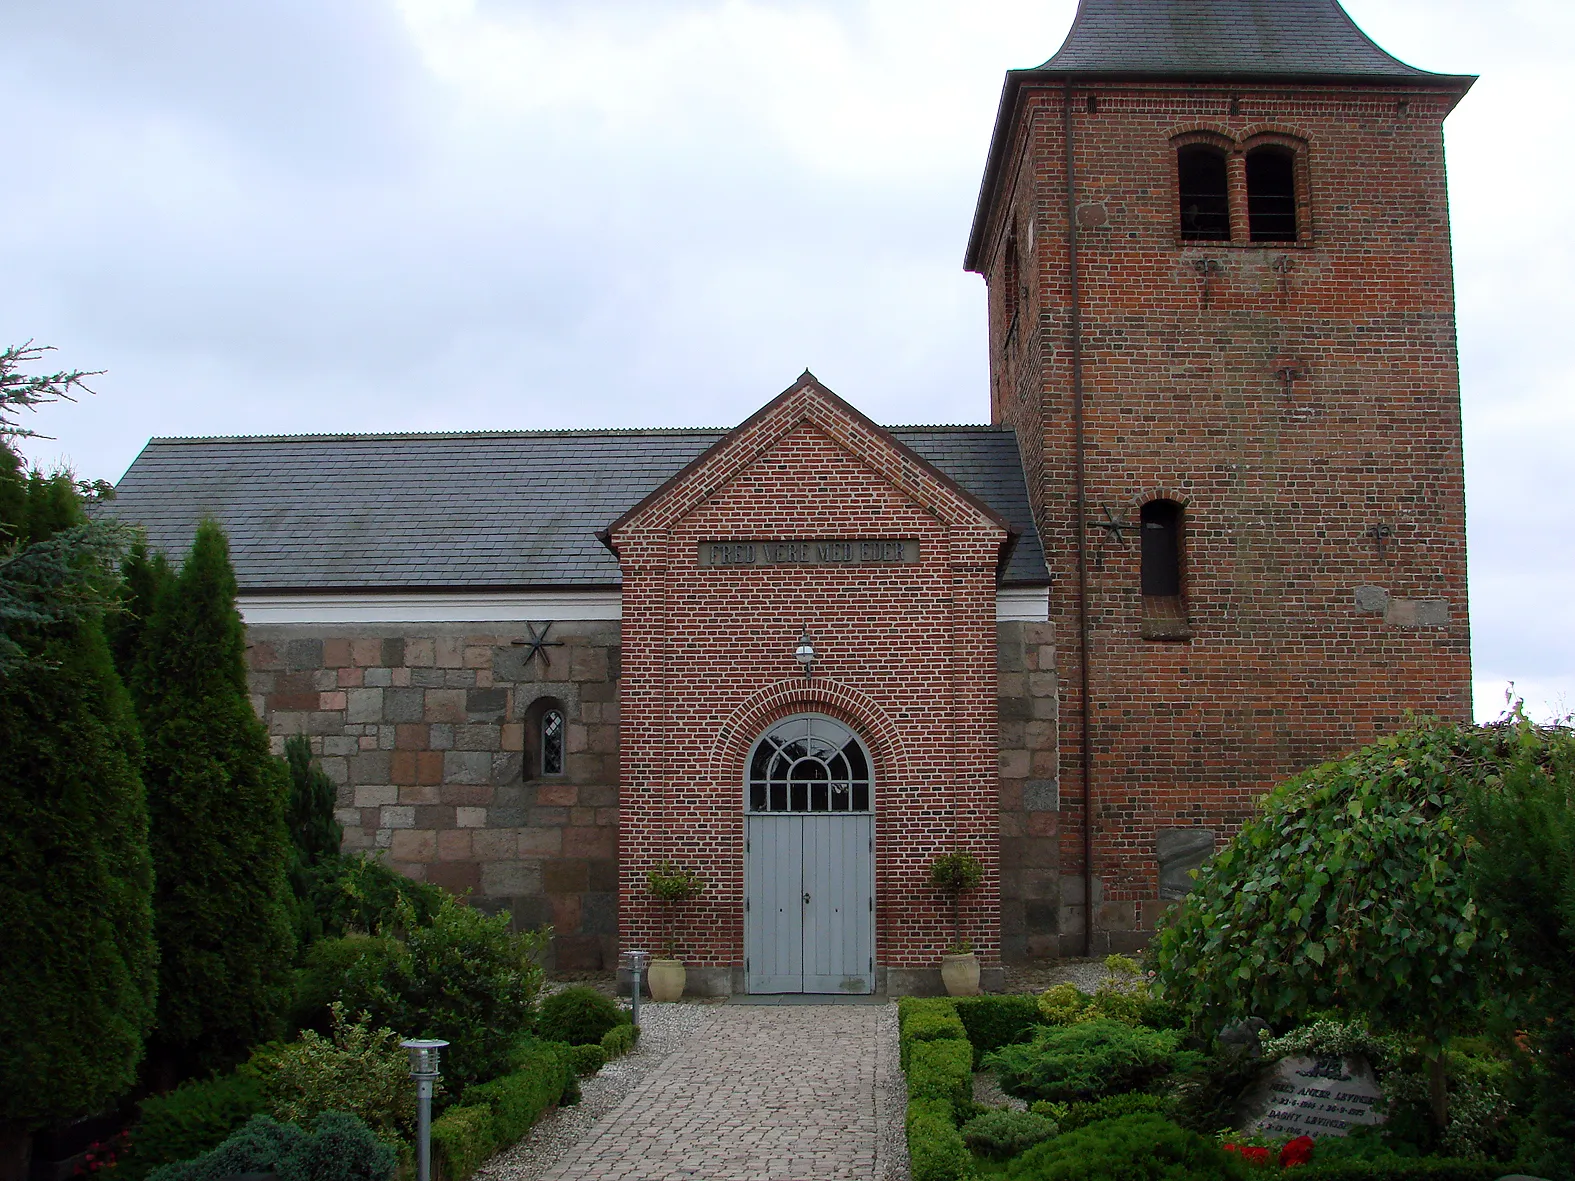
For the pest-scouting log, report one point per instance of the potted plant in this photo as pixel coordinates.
(671, 886)
(953, 873)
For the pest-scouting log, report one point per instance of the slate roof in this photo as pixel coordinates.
(498, 511)
(1223, 38)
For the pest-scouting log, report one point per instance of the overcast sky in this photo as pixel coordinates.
(381, 215)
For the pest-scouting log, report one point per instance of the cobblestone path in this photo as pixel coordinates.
(759, 1093)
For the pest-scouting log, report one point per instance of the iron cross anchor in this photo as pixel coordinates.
(539, 645)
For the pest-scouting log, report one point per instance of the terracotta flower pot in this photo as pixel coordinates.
(960, 974)
(667, 979)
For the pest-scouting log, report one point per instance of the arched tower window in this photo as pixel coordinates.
(809, 763)
(552, 742)
(1161, 520)
(1204, 193)
(1271, 194)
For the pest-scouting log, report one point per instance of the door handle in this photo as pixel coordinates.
(806, 897)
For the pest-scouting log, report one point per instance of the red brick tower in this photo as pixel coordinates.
(1216, 240)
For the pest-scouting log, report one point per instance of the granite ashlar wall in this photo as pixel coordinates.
(428, 731)
(1041, 915)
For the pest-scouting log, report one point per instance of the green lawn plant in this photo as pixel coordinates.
(77, 990)
(216, 799)
(1349, 890)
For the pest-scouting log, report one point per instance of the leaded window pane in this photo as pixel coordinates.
(552, 742)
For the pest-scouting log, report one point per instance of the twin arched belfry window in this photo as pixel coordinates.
(1203, 191)
(808, 763)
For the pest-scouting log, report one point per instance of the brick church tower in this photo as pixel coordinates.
(1216, 239)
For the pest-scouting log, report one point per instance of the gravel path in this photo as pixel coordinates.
(732, 1093)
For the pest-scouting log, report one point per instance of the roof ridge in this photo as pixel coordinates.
(550, 432)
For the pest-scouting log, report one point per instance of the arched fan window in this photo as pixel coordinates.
(809, 763)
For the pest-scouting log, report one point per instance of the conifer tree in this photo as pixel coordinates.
(77, 992)
(315, 836)
(143, 577)
(217, 800)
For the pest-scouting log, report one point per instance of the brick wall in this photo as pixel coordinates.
(1307, 637)
(423, 727)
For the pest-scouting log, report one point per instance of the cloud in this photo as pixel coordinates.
(418, 214)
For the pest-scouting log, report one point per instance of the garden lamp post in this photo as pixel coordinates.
(637, 961)
(424, 1069)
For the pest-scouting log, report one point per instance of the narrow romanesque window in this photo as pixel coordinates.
(1205, 198)
(1271, 194)
(1161, 549)
(552, 742)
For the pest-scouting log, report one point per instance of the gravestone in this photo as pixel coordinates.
(1180, 851)
(1313, 1097)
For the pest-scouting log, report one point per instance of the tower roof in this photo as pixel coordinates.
(1224, 39)
(1229, 42)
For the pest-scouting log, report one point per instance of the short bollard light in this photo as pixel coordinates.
(424, 1069)
(637, 961)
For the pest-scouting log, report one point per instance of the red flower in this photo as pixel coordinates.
(1256, 1154)
(1296, 1152)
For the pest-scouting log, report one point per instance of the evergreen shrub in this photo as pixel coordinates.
(1132, 1148)
(580, 1016)
(196, 1117)
(77, 992)
(223, 910)
(1080, 1115)
(995, 1021)
(462, 1140)
(1001, 1134)
(1089, 1060)
(354, 893)
(337, 1147)
(325, 972)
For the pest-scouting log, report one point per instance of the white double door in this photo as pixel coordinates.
(809, 912)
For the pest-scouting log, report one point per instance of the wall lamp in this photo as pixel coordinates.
(804, 653)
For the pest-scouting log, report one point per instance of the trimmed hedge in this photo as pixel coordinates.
(936, 1151)
(943, 1070)
(499, 1113)
(462, 1139)
(929, 1027)
(995, 1021)
(579, 1016)
(620, 1040)
(587, 1060)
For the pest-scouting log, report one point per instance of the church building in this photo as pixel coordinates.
(1214, 533)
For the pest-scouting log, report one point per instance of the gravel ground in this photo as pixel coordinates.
(662, 1029)
(891, 1104)
(987, 1091)
(1086, 974)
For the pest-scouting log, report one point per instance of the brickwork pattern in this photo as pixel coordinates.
(763, 1094)
(1300, 398)
(425, 732)
(906, 657)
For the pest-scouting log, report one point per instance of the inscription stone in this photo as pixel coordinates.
(1313, 1097)
(839, 552)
